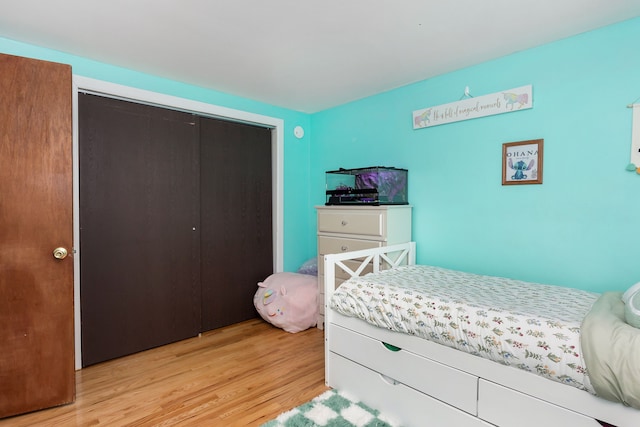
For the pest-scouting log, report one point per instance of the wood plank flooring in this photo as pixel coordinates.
(241, 375)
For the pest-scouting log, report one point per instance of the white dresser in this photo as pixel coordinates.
(351, 228)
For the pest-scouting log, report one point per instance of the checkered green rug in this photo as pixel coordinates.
(332, 409)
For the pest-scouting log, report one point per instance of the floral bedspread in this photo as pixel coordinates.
(529, 326)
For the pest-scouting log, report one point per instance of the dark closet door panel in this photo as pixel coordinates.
(139, 192)
(236, 219)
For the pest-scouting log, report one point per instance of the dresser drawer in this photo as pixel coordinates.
(340, 273)
(442, 382)
(344, 221)
(337, 245)
(321, 285)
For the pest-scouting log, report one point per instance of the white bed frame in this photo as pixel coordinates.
(422, 383)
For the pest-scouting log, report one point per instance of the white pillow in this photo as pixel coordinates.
(632, 290)
(632, 310)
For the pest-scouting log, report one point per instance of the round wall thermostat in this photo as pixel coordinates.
(298, 132)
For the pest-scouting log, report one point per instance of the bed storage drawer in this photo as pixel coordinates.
(407, 406)
(456, 387)
(344, 221)
(524, 410)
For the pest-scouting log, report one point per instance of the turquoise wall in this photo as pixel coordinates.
(296, 151)
(577, 228)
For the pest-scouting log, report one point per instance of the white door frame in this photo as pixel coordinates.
(85, 84)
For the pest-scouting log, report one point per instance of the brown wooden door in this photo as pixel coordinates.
(236, 219)
(139, 227)
(36, 216)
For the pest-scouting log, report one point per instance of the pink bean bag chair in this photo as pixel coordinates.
(288, 301)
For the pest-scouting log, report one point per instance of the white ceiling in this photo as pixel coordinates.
(306, 55)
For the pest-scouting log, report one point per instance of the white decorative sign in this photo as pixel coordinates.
(635, 137)
(520, 98)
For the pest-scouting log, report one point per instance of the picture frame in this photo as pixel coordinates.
(522, 162)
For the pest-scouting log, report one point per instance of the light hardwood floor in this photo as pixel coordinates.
(241, 375)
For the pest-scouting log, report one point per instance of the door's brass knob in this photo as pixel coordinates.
(60, 253)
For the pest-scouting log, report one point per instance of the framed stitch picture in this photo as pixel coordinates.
(522, 162)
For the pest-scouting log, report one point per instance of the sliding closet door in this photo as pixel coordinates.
(139, 236)
(236, 219)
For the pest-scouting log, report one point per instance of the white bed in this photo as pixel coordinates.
(424, 383)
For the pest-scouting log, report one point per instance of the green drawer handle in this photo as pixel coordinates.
(391, 347)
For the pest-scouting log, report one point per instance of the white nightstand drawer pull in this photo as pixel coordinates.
(344, 248)
(344, 222)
